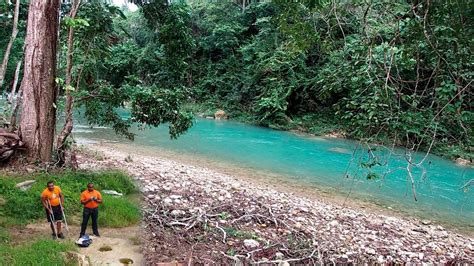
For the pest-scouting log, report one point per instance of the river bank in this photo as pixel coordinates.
(326, 125)
(194, 214)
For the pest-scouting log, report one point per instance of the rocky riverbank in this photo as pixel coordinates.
(197, 215)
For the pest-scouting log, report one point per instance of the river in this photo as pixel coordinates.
(329, 163)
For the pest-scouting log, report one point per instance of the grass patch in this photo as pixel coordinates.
(118, 212)
(21, 207)
(18, 208)
(233, 232)
(4, 236)
(38, 252)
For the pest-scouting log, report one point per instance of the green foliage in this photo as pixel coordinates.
(382, 71)
(155, 106)
(6, 24)
(106, 75)
(24, 206)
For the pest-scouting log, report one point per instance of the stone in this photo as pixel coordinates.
(370, 251)
(112, 192)
(279, 256)
(178, 212)
(78, 259)
(150, 196)
(334, 223)
(175, 197)
(426, 222)
(220, 114)
(470, 247)
(30, 170)
(462, 161)
(251, 244)
(167, 201)
(298, 225)
(439, 251)
(304, 209)
(25, 185)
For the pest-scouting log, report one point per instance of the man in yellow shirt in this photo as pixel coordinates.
(52, 199)
(91, 199)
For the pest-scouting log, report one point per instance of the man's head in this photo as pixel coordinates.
(50, 185)
(90, 186)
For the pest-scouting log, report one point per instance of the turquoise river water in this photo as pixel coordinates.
(323, 162)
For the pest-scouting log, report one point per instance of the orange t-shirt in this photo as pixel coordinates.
(52, 196)
(85, 195)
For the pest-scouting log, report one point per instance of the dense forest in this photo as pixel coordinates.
(394, 72)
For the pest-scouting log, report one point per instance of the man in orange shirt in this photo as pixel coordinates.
(91, 199)
(52, 199)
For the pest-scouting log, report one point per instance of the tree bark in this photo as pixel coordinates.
(68, 124)
(3, 67)
(38, 112)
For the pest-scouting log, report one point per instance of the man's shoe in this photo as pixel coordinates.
(97, 235)
(61, 235)
(54, 236)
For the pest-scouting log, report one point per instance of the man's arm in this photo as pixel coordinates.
(84, 200)
(45, 204)
(98, 200)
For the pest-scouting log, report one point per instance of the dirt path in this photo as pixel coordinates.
(113, 245)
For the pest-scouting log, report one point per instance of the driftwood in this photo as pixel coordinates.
(9, 143)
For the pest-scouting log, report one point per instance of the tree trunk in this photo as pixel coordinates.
(18, 98)
(38, 112)
(3, 67)
(15, 82)
(68, 124)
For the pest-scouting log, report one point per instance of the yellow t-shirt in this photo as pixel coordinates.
(52, 196)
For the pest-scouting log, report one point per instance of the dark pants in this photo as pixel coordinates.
(85, 219)
(57, 216)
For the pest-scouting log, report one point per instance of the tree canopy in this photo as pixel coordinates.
(383, 71)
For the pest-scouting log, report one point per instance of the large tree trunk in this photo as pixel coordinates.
(3, 67)
(68, 124)
(38, 112)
